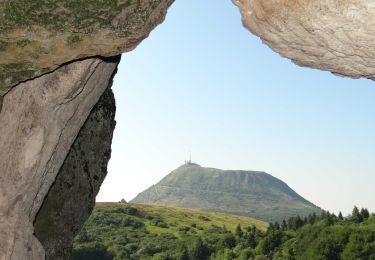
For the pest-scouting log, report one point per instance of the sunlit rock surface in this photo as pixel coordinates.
(333, 35)
(72, 196)
(39, 122)
(52, 73)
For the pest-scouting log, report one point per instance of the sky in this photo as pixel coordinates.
(202, 83)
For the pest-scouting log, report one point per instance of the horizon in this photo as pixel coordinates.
(244, 170)
(216, 90)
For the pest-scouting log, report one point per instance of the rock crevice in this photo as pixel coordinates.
(72, 196)
(39, 121)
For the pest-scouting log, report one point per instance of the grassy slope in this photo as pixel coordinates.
(129, 231)
(177, 217)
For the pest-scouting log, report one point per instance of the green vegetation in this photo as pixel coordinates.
(321, 237)
(72, 39)
(130, 231)
(247, 193)
(3, 45)
(15, 72)
(57, 15)
(23, 43)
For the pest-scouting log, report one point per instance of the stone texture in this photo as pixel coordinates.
(39, 122)
(52, 72)
(71, 198)
(39, 35)
(333, 35)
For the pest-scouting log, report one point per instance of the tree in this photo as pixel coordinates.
(239, 231)
(295, 222)
(270, 227)
(365, 214)
(197, 249)
(284, 226)
(227, 241)
(356, 215)
(269, 243)
(361, 245)
(312, 218)
(277, 226)
(340, 216)
(251, 240)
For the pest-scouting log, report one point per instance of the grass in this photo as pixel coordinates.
(177, 217)
(131, 231)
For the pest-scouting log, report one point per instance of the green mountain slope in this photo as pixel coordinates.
(248, 193)
(117, 231)
(131, 231)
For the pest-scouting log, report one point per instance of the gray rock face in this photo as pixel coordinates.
(39, 122)
(72, 196)
(332, 35)
(41, 114)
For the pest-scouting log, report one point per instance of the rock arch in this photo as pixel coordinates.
(55, 96)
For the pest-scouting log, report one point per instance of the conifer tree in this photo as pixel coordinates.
(364, 213)
(284, 226)
(356, 215)
(239, 231)
(277, 226)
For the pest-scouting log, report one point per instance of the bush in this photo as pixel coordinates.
(92, 251)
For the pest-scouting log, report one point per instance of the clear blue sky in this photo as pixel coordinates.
(203, 83)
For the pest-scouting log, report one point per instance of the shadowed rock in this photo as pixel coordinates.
(72, 196)
(39, 122)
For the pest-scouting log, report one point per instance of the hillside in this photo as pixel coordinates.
(131, 231)
(248, 193)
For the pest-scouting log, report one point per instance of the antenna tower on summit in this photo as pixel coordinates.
(188, 162)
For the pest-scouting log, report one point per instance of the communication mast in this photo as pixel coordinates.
(188, 162)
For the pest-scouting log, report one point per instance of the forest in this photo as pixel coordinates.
(130, 231)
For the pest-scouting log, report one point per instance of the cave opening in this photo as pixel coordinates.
(202, 83)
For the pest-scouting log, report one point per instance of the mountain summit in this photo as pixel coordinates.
(248, 193)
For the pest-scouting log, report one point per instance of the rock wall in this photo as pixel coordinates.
(52, 73)
(39, 122)
(333, 35)
(71, 198)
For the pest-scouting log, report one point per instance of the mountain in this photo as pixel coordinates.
(248, 193)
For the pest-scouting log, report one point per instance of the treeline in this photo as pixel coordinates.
(321, 237)
(297, 222)
(126, 234)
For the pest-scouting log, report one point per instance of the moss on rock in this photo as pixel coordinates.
(39, 35)
(3, 45)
